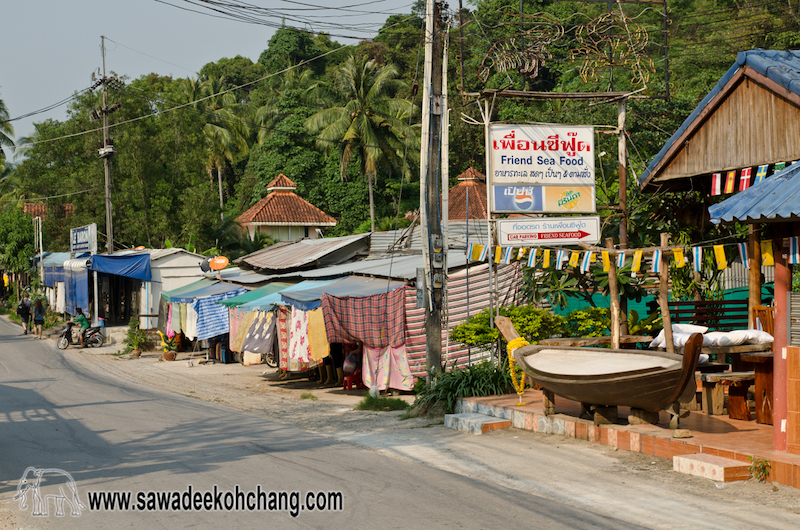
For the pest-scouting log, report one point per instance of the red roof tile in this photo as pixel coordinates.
(283, 207)
(38, 209)
(473, 182)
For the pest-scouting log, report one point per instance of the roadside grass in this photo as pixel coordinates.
(308, 395)
(381, 404)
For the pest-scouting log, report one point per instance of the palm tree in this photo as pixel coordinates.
(268, 115)
(6, 131)
(226, 132)
(369, 121)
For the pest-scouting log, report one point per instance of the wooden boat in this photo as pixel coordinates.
(645, 379)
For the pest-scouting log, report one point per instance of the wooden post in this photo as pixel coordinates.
(754, 297)
(783, 286)
(613, 289)
(663, 295)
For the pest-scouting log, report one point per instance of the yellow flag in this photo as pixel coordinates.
(606, 261)
(546, 259)
(637, 261)
(719, 253)
(498, 254)
(680, 259)
(767, 259)
(521, 253)
(593, 257)
(477, 250)
(573, 258)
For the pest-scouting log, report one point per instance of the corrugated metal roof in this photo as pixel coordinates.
(776, 198)
(237, 275)
(381, 242)
(782, 67)
(307, 253)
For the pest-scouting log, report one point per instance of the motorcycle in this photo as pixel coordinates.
(93, 338)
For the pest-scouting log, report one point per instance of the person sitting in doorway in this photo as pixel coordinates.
(81, 320)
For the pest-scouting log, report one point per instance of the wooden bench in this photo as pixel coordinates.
(713, 400)
(716, 315)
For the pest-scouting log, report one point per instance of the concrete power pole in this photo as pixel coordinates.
(431, 176)
(106, 152)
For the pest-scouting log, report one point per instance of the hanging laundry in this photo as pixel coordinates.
(317, 336)
(386, 368)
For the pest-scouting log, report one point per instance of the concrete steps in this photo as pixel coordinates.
(712, 467)
(474, 422)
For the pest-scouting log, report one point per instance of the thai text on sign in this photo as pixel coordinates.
(542, 154)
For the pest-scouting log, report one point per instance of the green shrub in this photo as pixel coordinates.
(588, 322)
(481, 379)
(382, 404)
(532, 323)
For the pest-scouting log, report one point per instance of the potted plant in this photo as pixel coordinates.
(169, 346)
(135, 338)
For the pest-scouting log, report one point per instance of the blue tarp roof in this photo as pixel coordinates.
(782, 67)
(268, 302)
(129, 266)
(57, 259)
(308, 299)
(199, 284)
(255, 294)
(211, 290)
(774, 198)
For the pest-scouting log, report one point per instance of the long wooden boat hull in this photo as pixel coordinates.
(644, 379)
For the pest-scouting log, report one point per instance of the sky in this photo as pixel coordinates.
(51, 47)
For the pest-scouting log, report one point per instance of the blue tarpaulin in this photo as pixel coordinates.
(357, 286)
(204, 292)
(137, 266)
(268, 302)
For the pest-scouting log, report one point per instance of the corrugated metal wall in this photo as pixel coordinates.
(457, 236)
(736, 276)
(458, 287)
(794, 323)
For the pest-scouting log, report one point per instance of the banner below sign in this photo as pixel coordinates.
(541, 199)
(548, 231)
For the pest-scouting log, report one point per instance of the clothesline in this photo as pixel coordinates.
(501, 254)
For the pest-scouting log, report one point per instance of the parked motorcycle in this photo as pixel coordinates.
(270, 360)
(93, 338)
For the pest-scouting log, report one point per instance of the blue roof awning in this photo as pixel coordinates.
(266, 303)
(130, 266)
(776, 198)
(217, 288)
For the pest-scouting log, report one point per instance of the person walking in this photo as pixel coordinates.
(38, 318)
(24, 311)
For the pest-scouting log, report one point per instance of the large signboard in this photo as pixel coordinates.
(530, 232)
(539, 199)
(83, 239)
(536, 157)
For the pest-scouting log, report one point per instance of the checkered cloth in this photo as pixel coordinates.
(378, 321)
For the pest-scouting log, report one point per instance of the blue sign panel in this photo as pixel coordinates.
(518, 199)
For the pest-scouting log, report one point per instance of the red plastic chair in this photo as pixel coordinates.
(351, 379)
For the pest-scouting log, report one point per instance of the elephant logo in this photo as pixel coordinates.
(55, 480)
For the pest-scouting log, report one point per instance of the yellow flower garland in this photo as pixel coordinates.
(519, 386)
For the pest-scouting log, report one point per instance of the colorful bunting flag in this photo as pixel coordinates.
(778, 167)
(767, 259)
(507, 255)
(744, 254)
(637, 261)
(573, 258)
(680, 259)
(587, 260)
(719, 254)
(744, 183)
(546, 259)
(730, 181)
(559, 259)
(606, 261)
(521, 253)
(716, 184)
(620, 259)
(474, 253)
(794, 250)
(498, 254)
(697, 257)
(656, 266)
(532, 257)
(761, 174)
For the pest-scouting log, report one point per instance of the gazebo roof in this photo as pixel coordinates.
(284, 207)
(472, 185)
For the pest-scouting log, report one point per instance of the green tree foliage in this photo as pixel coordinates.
(6, 131)
(16, 240)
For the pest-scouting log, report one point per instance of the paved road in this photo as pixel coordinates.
(111, 435)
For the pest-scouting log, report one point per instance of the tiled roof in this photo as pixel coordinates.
(473, 183)
(283, 207)
(39, 209)
(281, 181)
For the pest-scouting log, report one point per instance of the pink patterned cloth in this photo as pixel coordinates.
(170, 333)
(386, 368)
(299, 350)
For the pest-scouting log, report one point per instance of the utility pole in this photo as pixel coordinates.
(107, 151)
(623, 198)
(431, 178)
